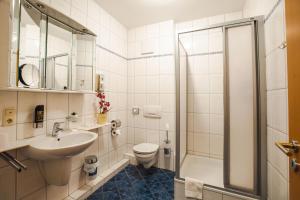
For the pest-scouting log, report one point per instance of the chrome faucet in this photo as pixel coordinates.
(56, 128)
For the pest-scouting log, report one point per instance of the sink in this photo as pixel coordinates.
(54, 154)
(67, 144)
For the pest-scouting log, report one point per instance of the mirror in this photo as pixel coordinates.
(29, 75)
(50, 50)
(82, 72)
(29, 47)
(59, 51)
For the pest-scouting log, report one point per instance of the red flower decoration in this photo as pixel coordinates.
(104, 106)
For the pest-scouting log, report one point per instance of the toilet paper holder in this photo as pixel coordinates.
(115, 125)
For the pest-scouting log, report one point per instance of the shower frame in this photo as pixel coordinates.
(260, 142)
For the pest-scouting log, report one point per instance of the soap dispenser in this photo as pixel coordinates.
(38, 116)
(167, 145)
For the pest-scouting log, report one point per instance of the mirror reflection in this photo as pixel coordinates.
(82, 72)
(29, 47)
(59, 50)
(50, 53)
(29, 75)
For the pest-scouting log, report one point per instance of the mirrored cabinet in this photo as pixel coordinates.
(49, 51)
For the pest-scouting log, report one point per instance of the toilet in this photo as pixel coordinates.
(146, 154)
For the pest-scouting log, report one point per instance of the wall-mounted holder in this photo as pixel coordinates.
(38, 116)
(167, 147)
(17, 165)
(115, 125)
(73, 117)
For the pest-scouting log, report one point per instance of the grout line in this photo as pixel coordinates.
(153, 56)
(278, 170)
(204, 54)
(276, 89)
(276, 129)
(110, 51)
(272, 11)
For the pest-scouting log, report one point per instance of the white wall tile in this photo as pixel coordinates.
(276, 70)
(153, 66)
(216, 145)
(27, 103)
(216, 64)
(200, 83)
(216, 83)
(26, 130)
(277, 103)
(216, 124)
(215, 40)
(201, 123)
(201, 103)
(201, 143)
(152, 84)
(166, 65)
(216, 103)
(275, 156)
(140, 136)
(77, 180)
(57, 106)
(140, 84)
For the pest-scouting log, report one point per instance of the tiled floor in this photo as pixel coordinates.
(138, 183)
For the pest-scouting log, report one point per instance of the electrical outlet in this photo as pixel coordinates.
(9, 117)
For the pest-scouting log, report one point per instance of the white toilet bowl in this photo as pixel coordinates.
(146, 154)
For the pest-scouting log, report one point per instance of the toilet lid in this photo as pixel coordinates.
(145, 148)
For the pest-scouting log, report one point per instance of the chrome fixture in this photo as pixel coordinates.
(73, 117)
(56, 128)
(17, 165)
(115, 127)
(283, 45)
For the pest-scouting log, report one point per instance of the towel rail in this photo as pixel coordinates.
(17, 165)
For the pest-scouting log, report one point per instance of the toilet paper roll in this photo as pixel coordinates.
(116, 123)
(116, 132)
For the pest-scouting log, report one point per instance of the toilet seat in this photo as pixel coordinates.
(145, 148)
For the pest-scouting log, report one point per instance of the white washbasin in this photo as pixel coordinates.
(68, 143)
(54, 154)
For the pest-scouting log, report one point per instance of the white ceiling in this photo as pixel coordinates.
(133, 13)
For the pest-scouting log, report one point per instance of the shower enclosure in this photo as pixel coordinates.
(220, 107)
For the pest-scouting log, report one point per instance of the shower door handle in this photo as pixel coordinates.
(288, 148)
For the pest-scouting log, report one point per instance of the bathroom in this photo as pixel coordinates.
(172, 100)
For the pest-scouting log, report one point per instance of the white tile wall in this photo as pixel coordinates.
(205, 102)
(151, 81)
(156, 39)
(205, 84)
(276, 93)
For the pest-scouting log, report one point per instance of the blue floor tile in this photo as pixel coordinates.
(138, 183)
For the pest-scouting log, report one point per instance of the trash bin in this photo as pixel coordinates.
(91, 164)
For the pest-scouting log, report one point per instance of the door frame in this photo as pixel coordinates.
(260, 110)
(261, 191)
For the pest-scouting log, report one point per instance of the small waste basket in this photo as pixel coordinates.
(91, 164)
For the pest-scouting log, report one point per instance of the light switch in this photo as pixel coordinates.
(9, 117)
